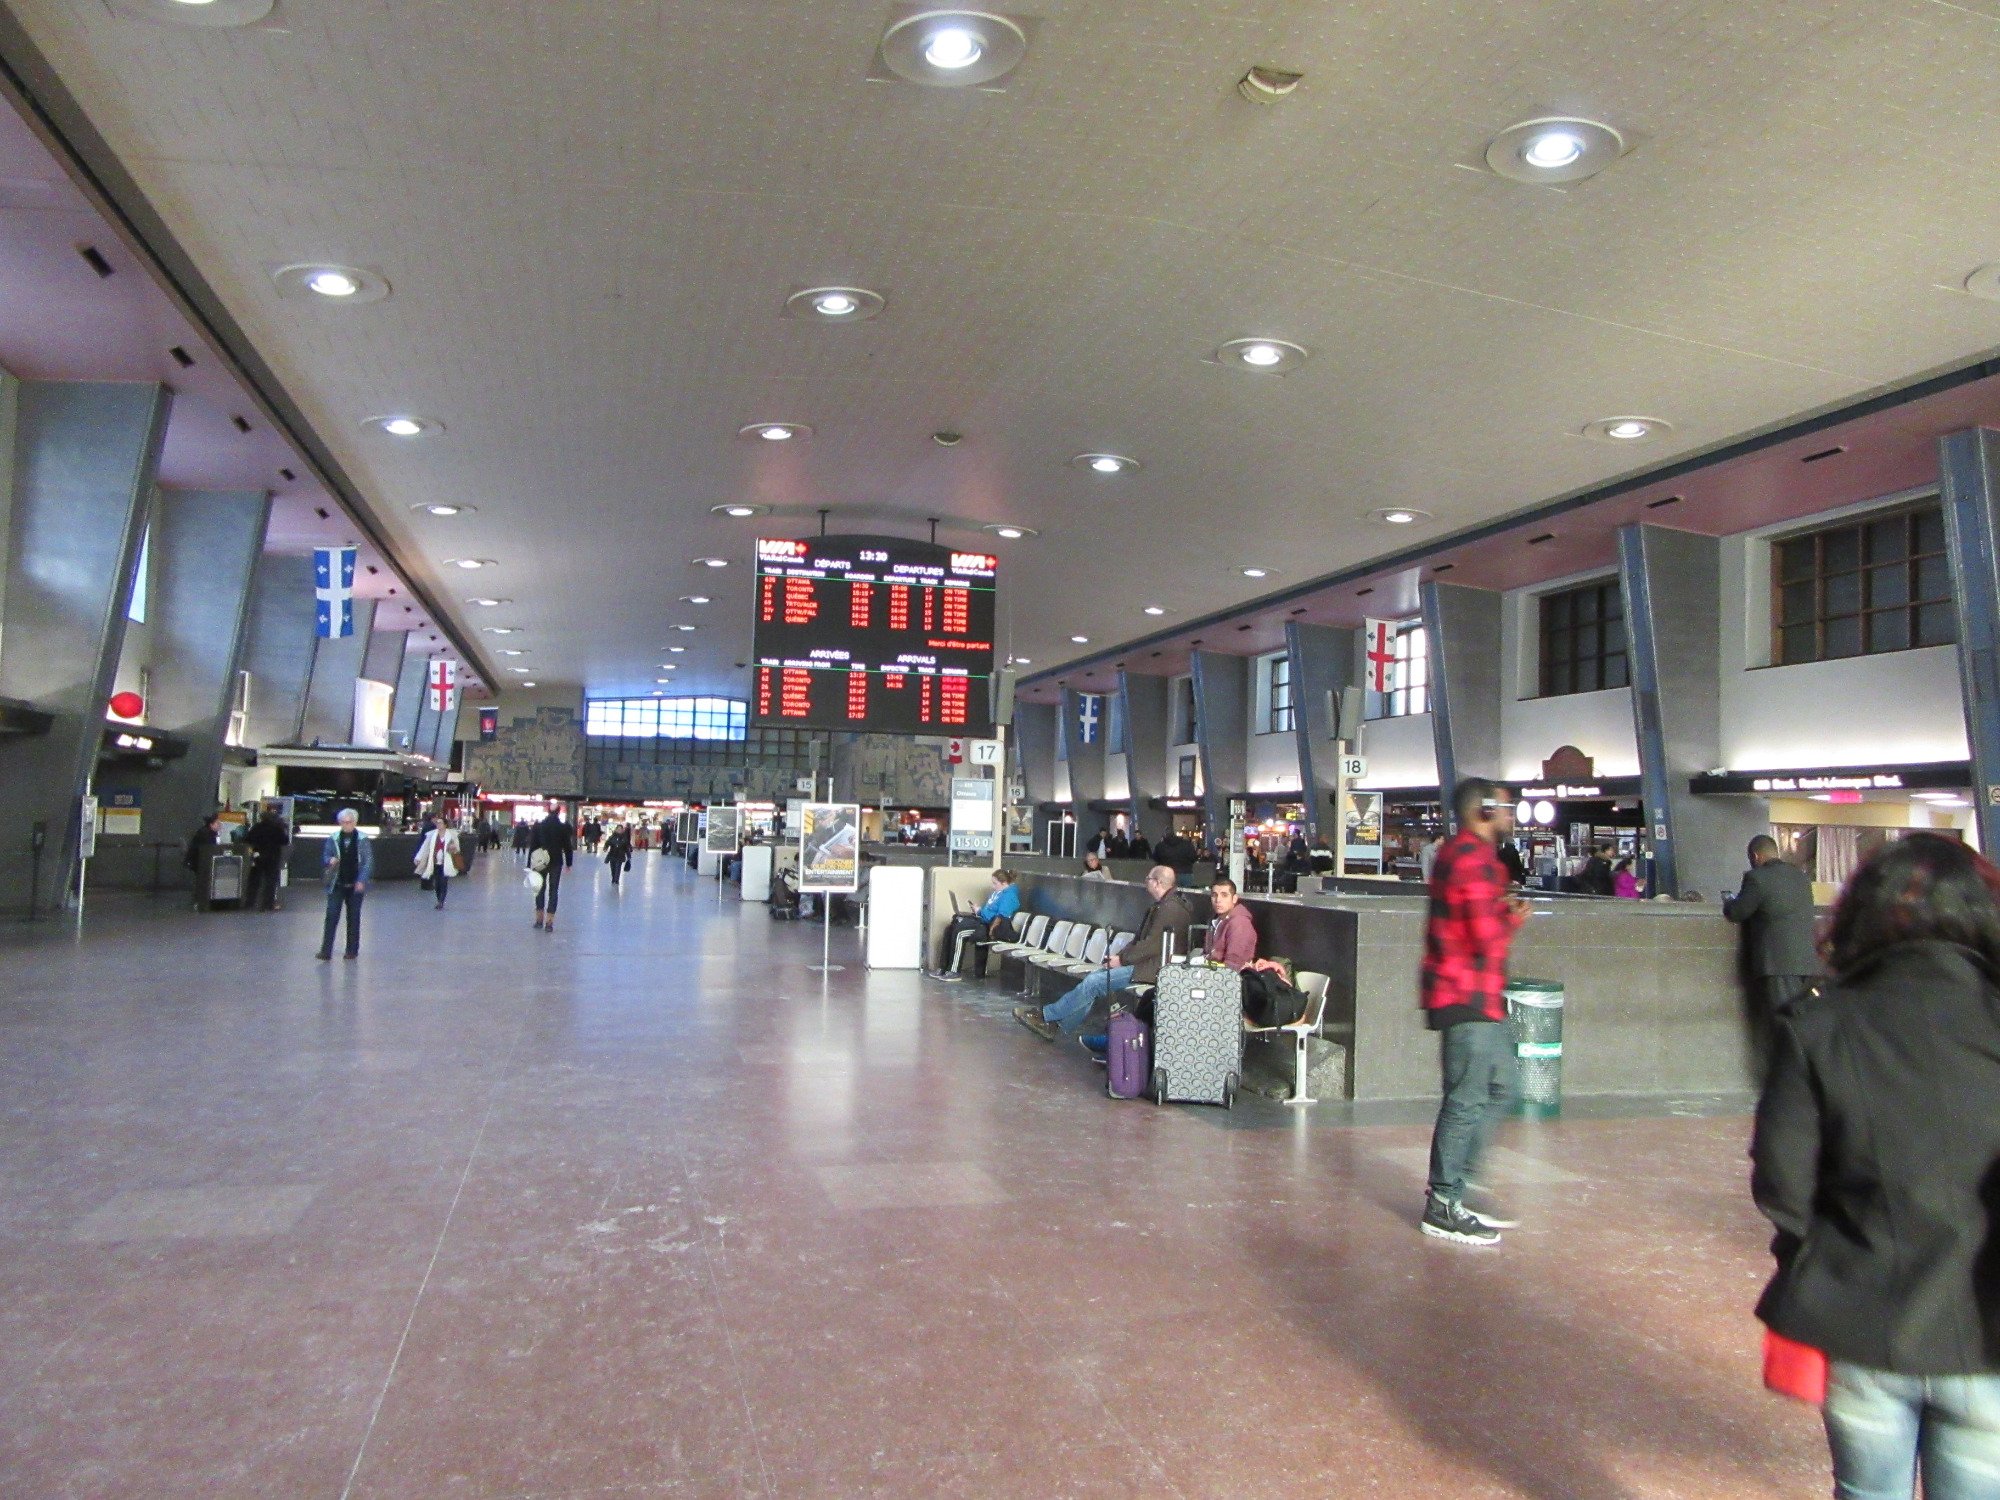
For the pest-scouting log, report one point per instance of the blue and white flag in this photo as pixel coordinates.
(333, 588)
(1088, 707)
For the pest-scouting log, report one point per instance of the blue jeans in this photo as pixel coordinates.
(1477, 1060)
(342, 898)
(1880, 1426)
(1070, 1010)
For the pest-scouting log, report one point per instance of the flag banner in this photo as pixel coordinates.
(333, 591)
(444, 691)
(1379, 639)
(1089, 712)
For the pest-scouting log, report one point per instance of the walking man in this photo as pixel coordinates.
(1775, 910)
(348, 862)
(1472, 924)
(551, 850)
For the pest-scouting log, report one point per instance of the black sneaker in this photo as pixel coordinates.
(1491, 1214)
(1446, 1220)
(948, 976)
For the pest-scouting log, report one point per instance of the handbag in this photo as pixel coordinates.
(1794, 1369)
(532, 880)
(538, 861)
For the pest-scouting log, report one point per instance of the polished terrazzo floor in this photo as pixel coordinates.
(646, 1208)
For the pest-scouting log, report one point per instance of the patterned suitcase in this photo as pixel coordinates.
(1197, 1035)
(1128, 1058)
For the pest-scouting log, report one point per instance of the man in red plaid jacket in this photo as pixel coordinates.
(1473, 918)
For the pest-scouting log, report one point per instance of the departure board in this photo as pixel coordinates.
(876, 633)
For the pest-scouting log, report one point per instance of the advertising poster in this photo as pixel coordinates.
(688, 827)
(972, 814)
(1364, 829)
(830, 847)
(723, 836)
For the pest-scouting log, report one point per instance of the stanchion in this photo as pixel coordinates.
(826, 964)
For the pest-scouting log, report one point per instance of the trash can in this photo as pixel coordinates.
(1536, 1008)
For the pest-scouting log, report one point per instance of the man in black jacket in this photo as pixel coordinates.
(266, 839)
(1177, 853)
(1775, 910)
(551, 850)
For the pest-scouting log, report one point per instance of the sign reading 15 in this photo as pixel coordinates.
(867, 556)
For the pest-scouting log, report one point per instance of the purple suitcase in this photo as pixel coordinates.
(1129, 1056)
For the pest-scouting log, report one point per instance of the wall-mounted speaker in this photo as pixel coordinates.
(1001, 689)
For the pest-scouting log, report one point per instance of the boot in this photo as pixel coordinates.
(538, 919)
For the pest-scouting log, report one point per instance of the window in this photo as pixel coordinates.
(1409, 674)
(1881, 583)
(1583, 639)
(667, 718)
(1278, 694)
(142, 577)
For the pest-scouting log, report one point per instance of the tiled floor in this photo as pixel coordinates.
(645, 1208)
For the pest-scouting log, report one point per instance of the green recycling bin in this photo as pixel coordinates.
(1535, 1006)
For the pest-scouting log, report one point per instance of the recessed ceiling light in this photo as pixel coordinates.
(496, 629)
(469, 563)
(1153, 609)
(774, 432)
(677, 649)
(521, 670)
(693, 599)
(953, 48)
(684, 627)
(446, 510)
(739, 510)
(1627, 429)
(834, 304)
(403, 425)
(1263, 356)
(1399, 515)
(1080, 640)
(1105, 463)
(713, 562)
(195, 12)
(531, 684)
(1554, 150)
(512, 651)
(489, 603)
(319, 281)
(1009, 530)
(1020, 661)
(1254, 571)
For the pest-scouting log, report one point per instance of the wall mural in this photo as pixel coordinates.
(882, 769)
(539, 754)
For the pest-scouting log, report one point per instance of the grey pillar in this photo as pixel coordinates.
(1146, 714)
(205, 549)
(1672, 583)
(445, 731)
(1462, 626)
(85, 461)
(382, 658)
(424, 733)
(1033, 738)
(1323, 663)
(1969, 462)
(278, 650)
(409, 704)
(1221, 731)
(1086, 764)
(336, 666)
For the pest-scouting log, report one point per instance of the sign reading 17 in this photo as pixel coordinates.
(867, 556)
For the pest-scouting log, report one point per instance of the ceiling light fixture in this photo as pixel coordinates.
(1399, 515)
(497, 629)
(446, 510)
(1554, 150)
(1080, 640)
(1105, 463)
(1020, 661)
(212, 13)
(692, 599)
(403, 425)
(1254, 571)
(1985, 282)
(1009, 530)
(531, 684)
(951, 48)
(1153, 609)
(1262, 356)
(1627, 429)
(469, 563)
(489, 603)
(512, 651)
(677, 649)
(1267, 85)
(323, 281)
(521, 671)
(739, 510)
(683, 627)
(835, 304)
(713, 562)
(774, 432)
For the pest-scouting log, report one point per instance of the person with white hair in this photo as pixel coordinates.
(348, 863)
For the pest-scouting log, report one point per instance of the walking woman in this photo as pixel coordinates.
(551, 850)
(438, 859)
(618, 850)
(1877, 1156)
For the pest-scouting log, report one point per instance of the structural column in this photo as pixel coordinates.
(1323, 666)
(1033, 742)
(1221, 731)
(278, 650)
(336, 667)
(409, 704)
(1672, 584)
(1145, 714)
(1462, 627)
(205, 546)
(85, 461)
(1086, 761)
(1969, 463)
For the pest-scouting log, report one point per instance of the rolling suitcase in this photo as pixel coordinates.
(1197, 1035)
(1128, 1058)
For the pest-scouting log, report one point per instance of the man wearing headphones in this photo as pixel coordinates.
(1472, 924)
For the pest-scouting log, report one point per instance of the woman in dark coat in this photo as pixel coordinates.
(1877, 1158)
(618, 850)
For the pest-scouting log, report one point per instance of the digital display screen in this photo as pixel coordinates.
(873, 633)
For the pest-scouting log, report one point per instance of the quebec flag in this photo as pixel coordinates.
(333, 588)
(1089, 710)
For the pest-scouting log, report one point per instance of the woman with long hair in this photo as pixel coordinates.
(1877, 1158)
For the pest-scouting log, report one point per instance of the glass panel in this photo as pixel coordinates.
(1797, 603)
(1930, 530)
(1889, 630)
(1843, 594)
(1614, 636)
(1555, 612)
(1933, 579)
(1936, 625)
(1613, 607)
(1841, 549)
(1797, 559)
(1890, 585)
(1843, 637)
(1586, 642)
(1889, 541)
(1798, 643)
(1585, 605)
(1614, 672)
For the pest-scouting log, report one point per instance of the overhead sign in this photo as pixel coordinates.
(985, 752)
(1941, 776)
(830, 846)
(333, 592)
(972, 823)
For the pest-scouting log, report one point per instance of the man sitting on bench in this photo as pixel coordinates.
(1137, 962)
(992, 923)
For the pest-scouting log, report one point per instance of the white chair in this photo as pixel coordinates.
(1029, 939)
(1059, 958)
(1093, 954)
(1314, 986)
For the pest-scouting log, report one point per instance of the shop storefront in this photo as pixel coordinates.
(1558, 823)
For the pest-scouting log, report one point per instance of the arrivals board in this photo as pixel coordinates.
(876, 633)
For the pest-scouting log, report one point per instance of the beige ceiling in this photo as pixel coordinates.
(591, 212)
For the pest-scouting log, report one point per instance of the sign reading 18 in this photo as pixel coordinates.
(867, 556)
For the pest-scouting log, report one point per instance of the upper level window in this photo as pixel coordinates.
(142, 581)
(1583, 639)
(667, 718)
(1278, 694)
(1410, 673)
(1881, 583)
